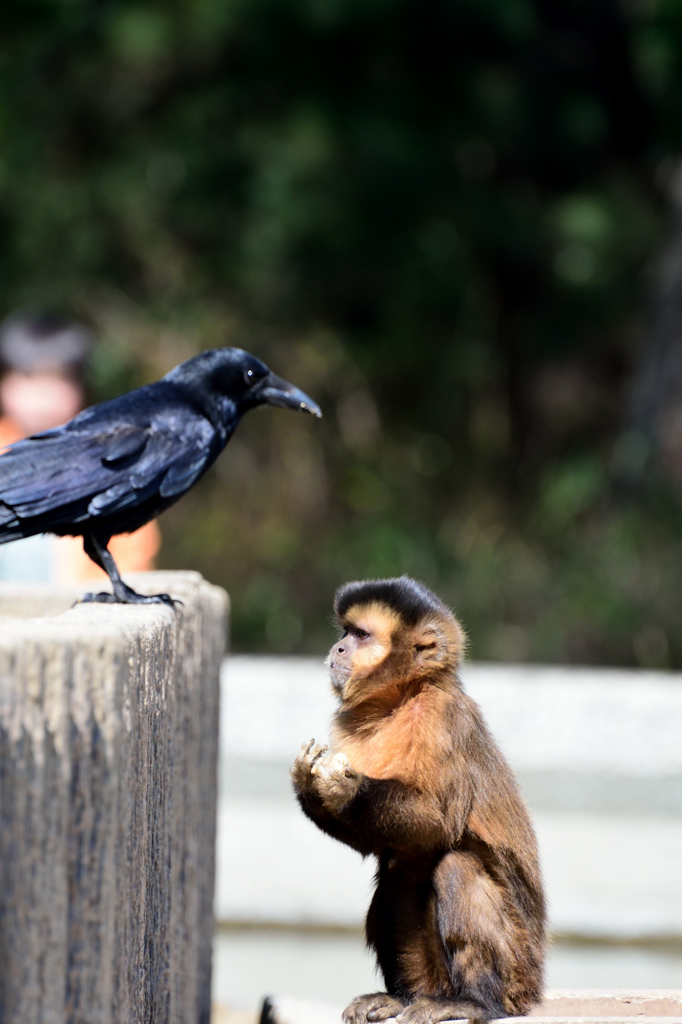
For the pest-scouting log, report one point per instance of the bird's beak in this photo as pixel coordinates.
(275, 391)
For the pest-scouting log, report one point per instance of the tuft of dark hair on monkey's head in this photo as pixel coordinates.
(409, 598)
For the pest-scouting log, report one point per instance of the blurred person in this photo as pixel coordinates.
(41, 386)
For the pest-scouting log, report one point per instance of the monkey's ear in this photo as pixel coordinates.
(430, 645)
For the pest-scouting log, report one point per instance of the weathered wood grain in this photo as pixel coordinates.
(108, 752)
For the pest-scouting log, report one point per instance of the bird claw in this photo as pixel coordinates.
(102, 598)
(130, 598)
(155, 599)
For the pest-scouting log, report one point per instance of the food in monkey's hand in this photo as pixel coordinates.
(413, 776)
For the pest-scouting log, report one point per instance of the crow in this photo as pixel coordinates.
(116, 465)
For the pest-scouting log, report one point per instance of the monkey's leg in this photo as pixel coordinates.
(474, 928)
(123, 594)
(376, 1006)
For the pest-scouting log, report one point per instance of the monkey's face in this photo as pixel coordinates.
(380, 654)
(365, 644)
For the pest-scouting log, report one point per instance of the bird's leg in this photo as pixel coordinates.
(123, 594)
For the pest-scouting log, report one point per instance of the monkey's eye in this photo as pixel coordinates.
(359, 634)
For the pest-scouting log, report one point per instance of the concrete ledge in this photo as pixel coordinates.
(560, 1006)
(565, 1002)
(108, 752)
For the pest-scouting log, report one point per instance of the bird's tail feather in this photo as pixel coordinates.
(11, 527)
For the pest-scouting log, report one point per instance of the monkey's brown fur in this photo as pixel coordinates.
(457, 920)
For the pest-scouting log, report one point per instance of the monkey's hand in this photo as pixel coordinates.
(374, 1007)
(336, 781)
(301, 769)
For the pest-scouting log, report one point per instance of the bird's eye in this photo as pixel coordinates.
(249, 376)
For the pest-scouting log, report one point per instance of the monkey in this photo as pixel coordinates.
(413, 776)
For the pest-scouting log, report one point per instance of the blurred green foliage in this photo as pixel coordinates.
(437, 217)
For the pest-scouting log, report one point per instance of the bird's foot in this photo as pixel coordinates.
(129, 596)
(135, 598)
(103, 598)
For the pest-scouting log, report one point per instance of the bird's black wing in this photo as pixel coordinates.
(91, 469)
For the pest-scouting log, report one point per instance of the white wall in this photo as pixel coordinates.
(599, 754)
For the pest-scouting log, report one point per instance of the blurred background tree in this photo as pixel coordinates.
(453, 222)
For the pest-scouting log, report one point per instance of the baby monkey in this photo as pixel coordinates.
(413, 776)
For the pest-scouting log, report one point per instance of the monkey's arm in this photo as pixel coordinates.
(313, 808)
(379, 813)
(386, 813)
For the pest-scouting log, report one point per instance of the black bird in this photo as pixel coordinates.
(116, 465)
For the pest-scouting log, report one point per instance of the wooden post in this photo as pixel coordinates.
(108, 755)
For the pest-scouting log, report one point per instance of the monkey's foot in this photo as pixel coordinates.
(130, 597)
(373, 1007)
(432, 1010)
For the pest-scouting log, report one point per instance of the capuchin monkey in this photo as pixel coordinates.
(413, 776)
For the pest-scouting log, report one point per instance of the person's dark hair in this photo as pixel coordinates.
(30, 342)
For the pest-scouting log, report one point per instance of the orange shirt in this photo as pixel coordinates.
(133, 552)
